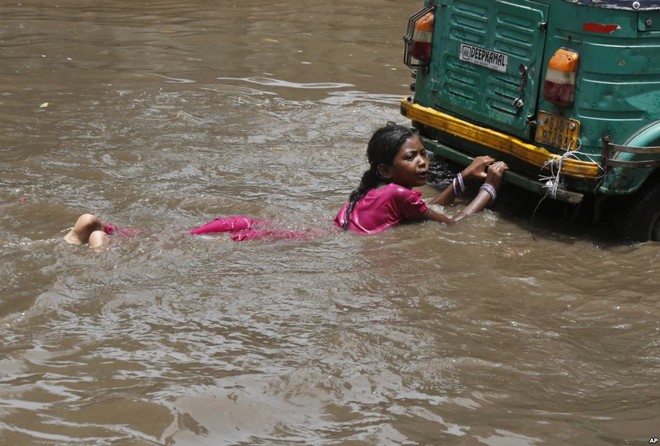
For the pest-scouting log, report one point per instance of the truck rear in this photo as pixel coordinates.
(567, 92)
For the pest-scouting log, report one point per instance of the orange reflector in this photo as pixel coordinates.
(564, 60)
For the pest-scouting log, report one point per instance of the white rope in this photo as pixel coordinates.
(553, 181)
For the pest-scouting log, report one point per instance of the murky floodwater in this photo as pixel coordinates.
(161, 115)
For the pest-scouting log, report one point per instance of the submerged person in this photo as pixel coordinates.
(398, 162)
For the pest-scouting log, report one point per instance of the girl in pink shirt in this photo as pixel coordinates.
(397, 163)
(385, 197)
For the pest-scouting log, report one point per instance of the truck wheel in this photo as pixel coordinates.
(642, 221)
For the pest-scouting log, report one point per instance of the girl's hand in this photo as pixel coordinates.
(495, 173)
(477, 169)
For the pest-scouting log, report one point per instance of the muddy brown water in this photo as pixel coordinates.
(161, 115)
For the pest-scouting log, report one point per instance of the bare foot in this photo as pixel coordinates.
(83, 229)
(72, 238)
(98, 239)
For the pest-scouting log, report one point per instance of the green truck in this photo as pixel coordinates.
(567, 92)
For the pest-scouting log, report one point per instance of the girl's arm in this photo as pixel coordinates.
(493, 179)
(475, 171)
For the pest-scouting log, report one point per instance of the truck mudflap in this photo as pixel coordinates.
(498, 141)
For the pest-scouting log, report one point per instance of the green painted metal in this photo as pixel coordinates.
(617, 95)
(479, 93)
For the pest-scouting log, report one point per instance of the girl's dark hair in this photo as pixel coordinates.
(382, 149)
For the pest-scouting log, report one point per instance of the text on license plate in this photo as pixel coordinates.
(563, 133)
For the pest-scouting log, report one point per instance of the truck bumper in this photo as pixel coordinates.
(508, 145)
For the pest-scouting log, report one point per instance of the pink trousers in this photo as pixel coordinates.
(241, 228)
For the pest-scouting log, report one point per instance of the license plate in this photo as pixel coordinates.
(562, 133)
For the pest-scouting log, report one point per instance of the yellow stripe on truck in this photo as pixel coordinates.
(535, 155)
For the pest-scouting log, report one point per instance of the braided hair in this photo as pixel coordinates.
(382, 149)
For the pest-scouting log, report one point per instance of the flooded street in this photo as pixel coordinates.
(162, 115)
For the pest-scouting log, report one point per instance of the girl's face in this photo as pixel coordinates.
(410, 166)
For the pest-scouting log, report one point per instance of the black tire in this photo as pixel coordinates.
(642, 221)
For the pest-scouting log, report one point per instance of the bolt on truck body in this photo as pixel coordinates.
(567, 92)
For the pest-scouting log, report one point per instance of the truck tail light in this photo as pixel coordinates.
(419, 38)
(559, 85)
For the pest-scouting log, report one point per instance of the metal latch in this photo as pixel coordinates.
(519, 102)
